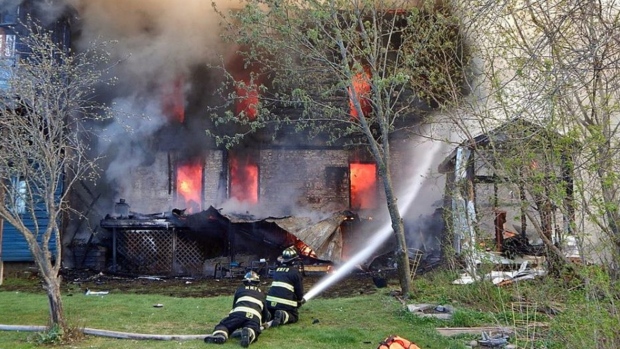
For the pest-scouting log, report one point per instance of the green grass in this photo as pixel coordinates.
(358, 322)
(582, 316)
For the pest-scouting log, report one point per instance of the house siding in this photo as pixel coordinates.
(14, 245)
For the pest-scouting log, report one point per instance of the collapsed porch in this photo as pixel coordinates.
(175, 243)
(509, 194)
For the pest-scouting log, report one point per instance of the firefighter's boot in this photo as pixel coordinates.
(218, 337)
(247, 336)
(279, 318)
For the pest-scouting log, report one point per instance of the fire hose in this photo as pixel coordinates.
(110, 334)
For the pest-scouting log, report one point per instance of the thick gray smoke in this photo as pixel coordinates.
(158, 44)
(156, 40)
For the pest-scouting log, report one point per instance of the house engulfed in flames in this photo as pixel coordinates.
(319, 199)
(171, 201)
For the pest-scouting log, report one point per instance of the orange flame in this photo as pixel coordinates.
(247, 92)
(363, 185)
(189, 185)
(173, 103)
(361, 87)
(244, 179)
(304, 249)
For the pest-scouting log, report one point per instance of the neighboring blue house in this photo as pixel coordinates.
(14, 247)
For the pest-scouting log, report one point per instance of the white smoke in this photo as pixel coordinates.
(128, 135)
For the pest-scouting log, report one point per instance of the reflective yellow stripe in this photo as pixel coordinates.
(221, 332)
(285, 320)
(283, 285)
(247, 310)
(282, 300)
(250, 299)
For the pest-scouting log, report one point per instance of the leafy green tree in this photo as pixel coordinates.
(356, 72)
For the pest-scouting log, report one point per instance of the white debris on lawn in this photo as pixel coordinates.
(497, 277)
(95, 293)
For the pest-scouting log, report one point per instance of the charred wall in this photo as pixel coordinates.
(289, 181)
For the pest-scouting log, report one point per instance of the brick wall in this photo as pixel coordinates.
(289, 180)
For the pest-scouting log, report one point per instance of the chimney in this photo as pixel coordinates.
(121, 209)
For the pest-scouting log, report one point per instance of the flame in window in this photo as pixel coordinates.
(247, 103)
(189, 185)
(173, 101)
(361, 86)
(363, 181)
(243, 178)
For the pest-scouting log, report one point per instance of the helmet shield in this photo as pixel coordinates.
(251, 278)
(289, 254)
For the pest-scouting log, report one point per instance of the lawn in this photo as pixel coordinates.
(544, 313)
(353, 322)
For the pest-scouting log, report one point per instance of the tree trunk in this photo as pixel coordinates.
(402, 257)
(52, 281)
(57, 316)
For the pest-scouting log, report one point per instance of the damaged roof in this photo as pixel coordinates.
(323, 237)
(515, 129)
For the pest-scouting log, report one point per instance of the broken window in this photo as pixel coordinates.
(173, 100)
(9, 16)
(243, 178)
(336, 180)
(247, 81)
(19, 194)
(7, 56)
(189, 185)
(360, 91)
(363, 185)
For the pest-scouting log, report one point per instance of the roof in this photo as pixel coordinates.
(508, 131)
(324, 237)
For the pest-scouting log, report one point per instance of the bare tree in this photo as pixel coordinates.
(357, 71)
(47, 99)
(557, 64)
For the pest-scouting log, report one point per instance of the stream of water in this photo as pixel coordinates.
(405, 200)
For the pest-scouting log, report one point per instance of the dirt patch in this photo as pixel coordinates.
(78, 281)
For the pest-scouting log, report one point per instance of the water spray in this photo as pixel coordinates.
(384, 233)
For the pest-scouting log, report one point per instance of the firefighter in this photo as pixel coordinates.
(248, 313)
(286, 293)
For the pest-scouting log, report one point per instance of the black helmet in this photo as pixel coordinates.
(289, 254)
(251, 278)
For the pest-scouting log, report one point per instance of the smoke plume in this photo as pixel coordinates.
(158, 43)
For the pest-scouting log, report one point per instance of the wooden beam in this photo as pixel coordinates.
(455, 331)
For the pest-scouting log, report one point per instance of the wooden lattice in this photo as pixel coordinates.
(159, 252)
(188, 257)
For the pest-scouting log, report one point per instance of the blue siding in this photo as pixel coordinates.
(12, 21)
(14, 245)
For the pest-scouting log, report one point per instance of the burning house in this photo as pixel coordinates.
(171, 201)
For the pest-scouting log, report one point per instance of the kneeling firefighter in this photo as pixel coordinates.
(287, 290)
(248, 313)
